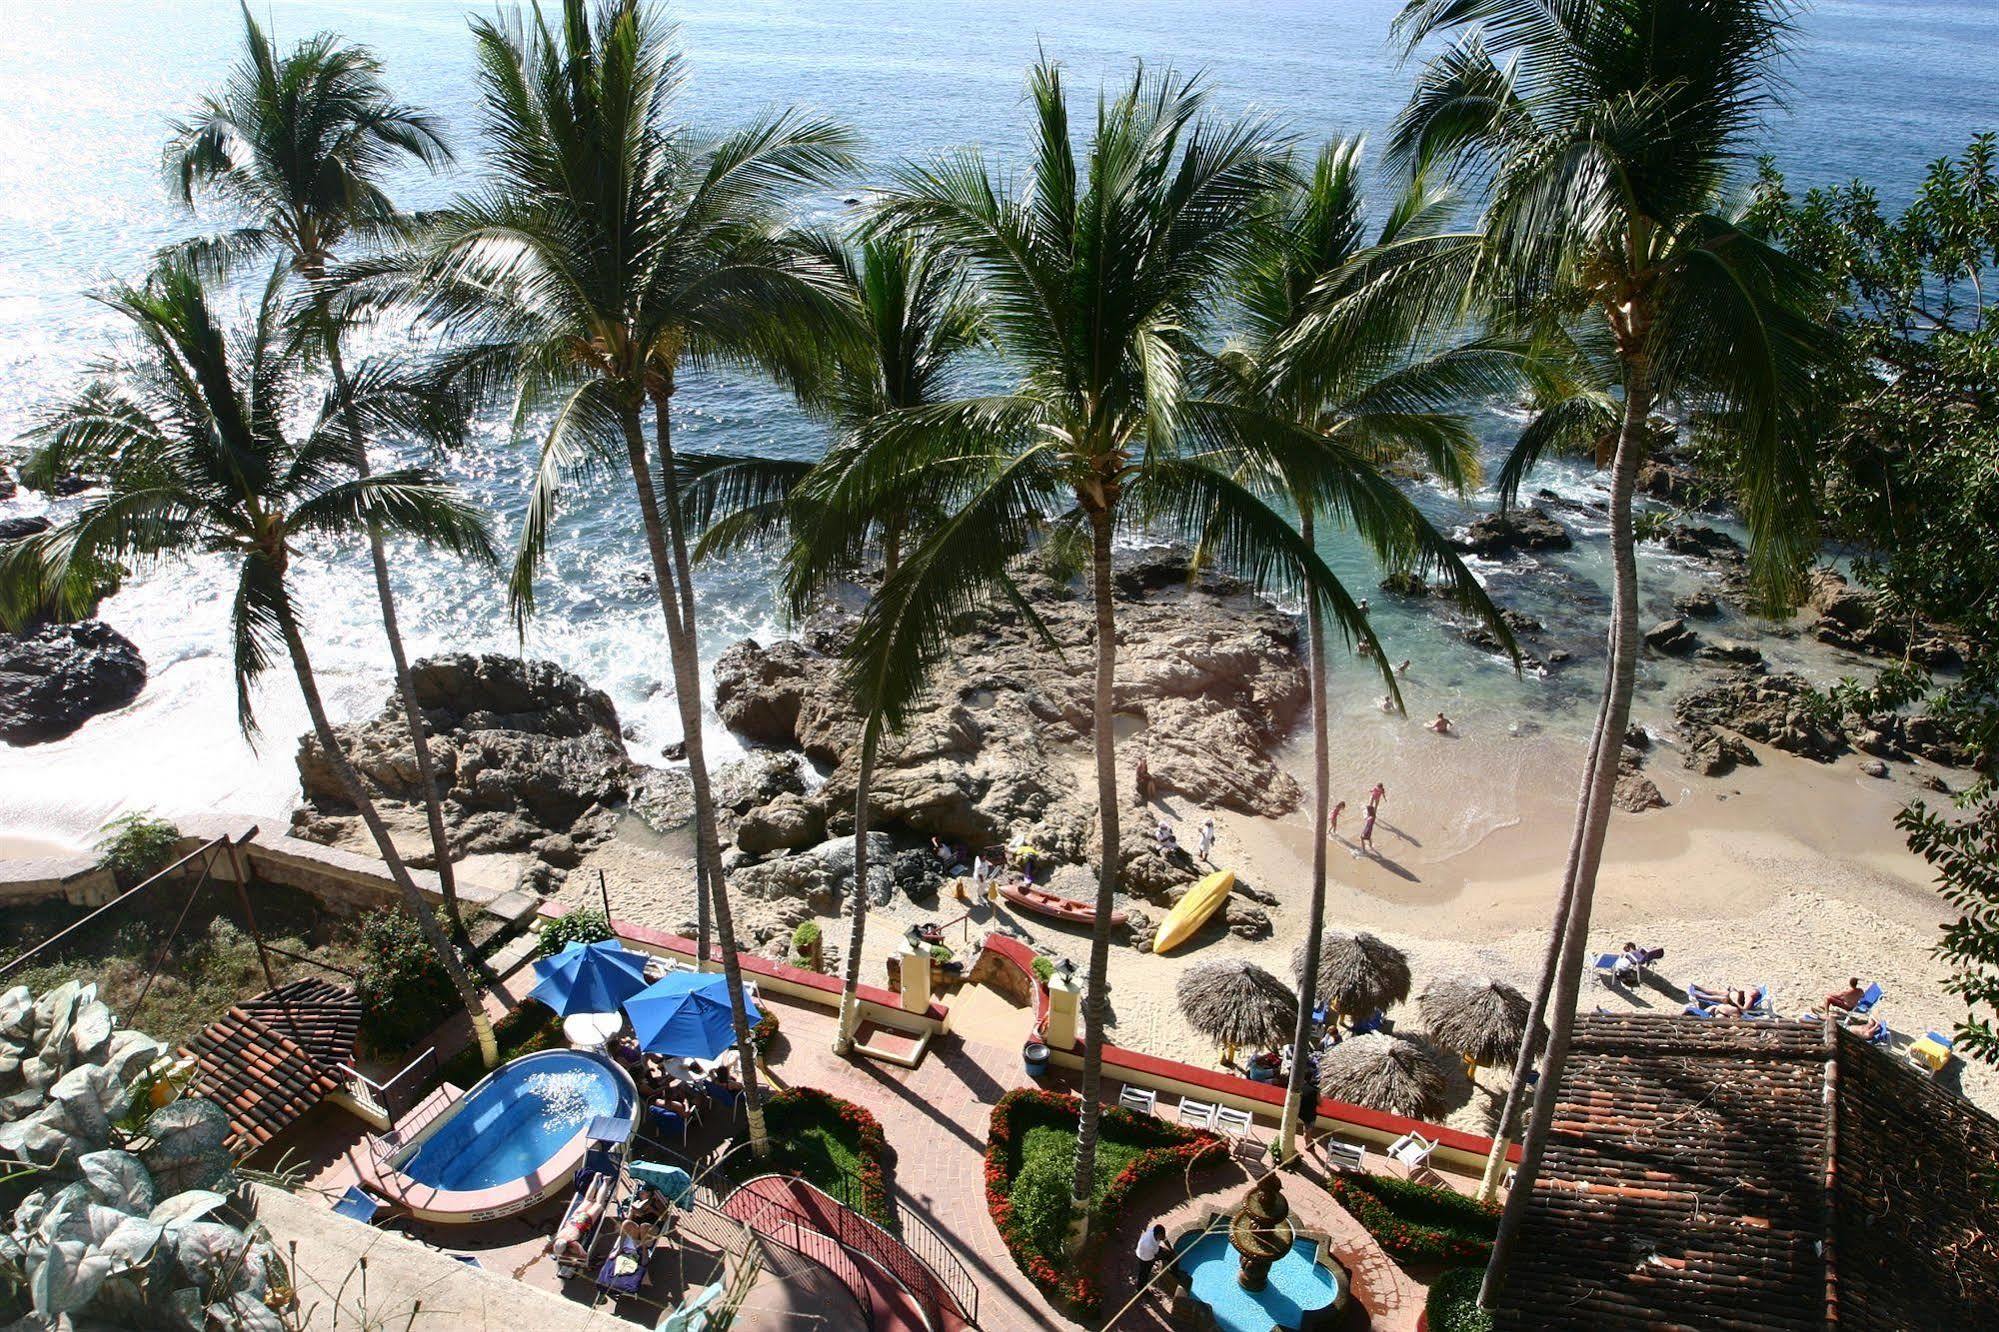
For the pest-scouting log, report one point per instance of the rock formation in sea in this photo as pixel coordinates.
(56, 677)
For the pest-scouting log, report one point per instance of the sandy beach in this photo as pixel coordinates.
(1788, 874)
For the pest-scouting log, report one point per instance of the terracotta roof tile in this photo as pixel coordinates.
(259, 1075)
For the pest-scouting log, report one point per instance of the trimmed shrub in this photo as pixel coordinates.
(579, 926)
(1453, 1302)
(1043, 967)
(1030, 1156)
(404, 989)
(137, 845)
(828, 1142)
(1418, 1223)
(805, 943)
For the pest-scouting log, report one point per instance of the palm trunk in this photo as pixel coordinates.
(426, 773)
(413, 900)
(1597, 807)
(1098, 999)
(1537, 1013)
(687, 692)
(1315, 922)
(707, 873)
(850, 987)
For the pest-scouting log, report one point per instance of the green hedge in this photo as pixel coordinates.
(1453, 1302)
(1416, 1222)
(829, 1142)
(579, 926)
(404, 989)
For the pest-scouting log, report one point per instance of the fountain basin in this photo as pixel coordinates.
(1307, 1287)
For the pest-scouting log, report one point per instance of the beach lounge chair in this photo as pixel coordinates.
(356, 1205)
(1232, 1123)
(1196, 1114)
(1343, 1155)
(1762, 1003)
(1868, 998)
(1605, 967)
(1932, 1053)
(1413, 1151)
(625, 1271)
(1378, 1021)
(1139, 1100)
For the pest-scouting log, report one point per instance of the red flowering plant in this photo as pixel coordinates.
(1416, 1223)
(801, 1119)
(1030, 1209)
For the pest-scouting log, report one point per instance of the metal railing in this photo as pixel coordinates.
(399, 1095)
(929, 1247)
(779, 1224)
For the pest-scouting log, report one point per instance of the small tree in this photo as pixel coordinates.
(135, 846)
(579, 926)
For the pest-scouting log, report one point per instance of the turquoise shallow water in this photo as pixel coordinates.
(87, 86)
(1297, 1284)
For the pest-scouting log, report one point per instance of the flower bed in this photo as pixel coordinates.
(1415, 1223)
(1029, 1150)
(830, 1143)
(1453, 1302)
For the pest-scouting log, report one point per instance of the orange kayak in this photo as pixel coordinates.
(1048, 904)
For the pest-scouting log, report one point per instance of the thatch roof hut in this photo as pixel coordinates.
(1359, 974)
(1234, 1002)
(1481, 1018)
(1385, 1072)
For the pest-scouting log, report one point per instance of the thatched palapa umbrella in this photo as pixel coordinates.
(1384, 1072)
(1234, 1002)
(1481, 1018)
(1358, 973)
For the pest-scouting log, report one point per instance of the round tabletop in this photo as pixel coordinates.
(591, 1031)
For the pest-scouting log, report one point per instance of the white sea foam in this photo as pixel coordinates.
(564, 1096)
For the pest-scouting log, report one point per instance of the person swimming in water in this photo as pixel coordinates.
(1403, 669)
(1388, 703)
(1442, 725)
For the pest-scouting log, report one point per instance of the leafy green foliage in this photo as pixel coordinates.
(831, 1143)
(1044, 967)
(583, 925)
(805, 938)
(29, 595)
(133, 846)
(403, 986)
(527, 1029)
(1418, 1222)
(1453, 1302)
(1911, 470)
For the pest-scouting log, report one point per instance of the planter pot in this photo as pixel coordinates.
(1034, 1055)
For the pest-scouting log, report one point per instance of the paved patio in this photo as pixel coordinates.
(935, 1117)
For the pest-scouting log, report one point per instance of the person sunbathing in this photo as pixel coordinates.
(1845, 1000)
(567, 1243)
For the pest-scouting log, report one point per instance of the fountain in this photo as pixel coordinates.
(1252, 1270)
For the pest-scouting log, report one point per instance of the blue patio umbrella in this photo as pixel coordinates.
(589, 978)
(686, 1013)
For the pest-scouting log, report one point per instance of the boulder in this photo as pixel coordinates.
(1715, 754)
(1874, 768)
(786, 823)
(7, 485)
(14, 529)
(758, 690)
(1730, 653)
(1244, 920)
(1779, 710)
(1663, 479)
(1704, 543)
(1405, 584)
(56, 677)
(1697, 605)
(1511, 530)
(1672, 637)
(1634, 792)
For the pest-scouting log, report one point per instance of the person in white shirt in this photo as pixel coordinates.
(1207, 840)
(1154, 1249)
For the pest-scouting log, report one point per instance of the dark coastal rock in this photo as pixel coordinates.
(8, 488)
(1874, 768)
(1525, 629)
(1699, 605)
(56, 677)
(1512, 530)
(1704, 543)
(1635, 793)
(1730, 653)
(1772, 709)
(786, 823)
(1672, 637)
(69, 483)
(13, 529)
(1855, 620)
(1563, 504)
(1663, 479)
(1716, 753)
(521, 750)
(1637, 737)
(1405, 584)
(1208, 678)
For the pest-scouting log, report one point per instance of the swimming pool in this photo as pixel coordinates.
(511, 1141)
(1300, 1293)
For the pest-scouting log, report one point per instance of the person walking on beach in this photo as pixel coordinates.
(1333, 819)
(1207, 840)
(1141, 783)
(1375, 797)
(1367, 831)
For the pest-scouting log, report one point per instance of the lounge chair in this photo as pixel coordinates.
(1377, 1022)
(625, 1271)
(1762, 1003)
(1343, 1155)
(1868, 998)
(1605, 967)
(1139, 1100)
(1413, 1151)
(1932, 1053)
(357, 1205)
(1196, 1114)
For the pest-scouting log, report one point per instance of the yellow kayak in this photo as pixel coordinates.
(1191, 911)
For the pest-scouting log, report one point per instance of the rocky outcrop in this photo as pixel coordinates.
(521, 749)
(1672, 637)
(1697, 605)
(1208, 677)
(13, 529)
(1511, 530)
(56, 677)
(1703, 543)
(1402, 583)
(1672, 482)
(1777, 710)
(1854, 619)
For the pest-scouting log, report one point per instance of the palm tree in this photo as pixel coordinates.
(1097, 278)
(607, 250)
(299, 143)
(1322, 347)
(918, 318)
(189, 431)
(1611, 140)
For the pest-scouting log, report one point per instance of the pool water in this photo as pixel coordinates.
(1297, 1284)
(517, 1119)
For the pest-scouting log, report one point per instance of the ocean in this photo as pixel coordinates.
(87, 87)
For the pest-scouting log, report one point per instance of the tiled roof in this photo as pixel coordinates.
(260, 1076)
(1697, 1177)
(322, 1017)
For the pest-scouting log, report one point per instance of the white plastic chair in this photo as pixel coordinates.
(1232, 1122)
(1196, 1114)
(1413, 1151)
(1139, 1101)
(1342, 1155)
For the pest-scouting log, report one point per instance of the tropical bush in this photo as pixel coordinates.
(830, 1143)
(764, 1034)
(1417, 1223)
(137, 845)
(403, 987)
(1043, 967)
(1453, 1302)
(1030, 1156)
(579, 926)
(804, 940)
(527, 1029)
